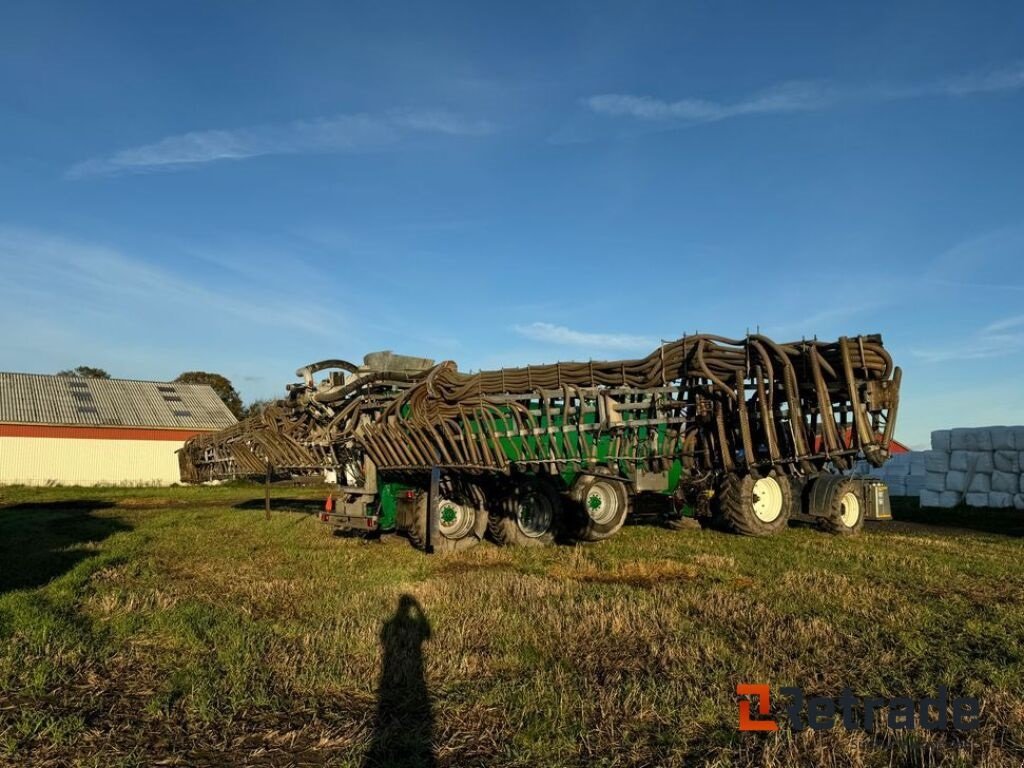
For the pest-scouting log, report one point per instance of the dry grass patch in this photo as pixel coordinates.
(186, 629)
(641, 573)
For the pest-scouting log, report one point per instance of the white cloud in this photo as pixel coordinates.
(796, 96)
(982, 262)
(1008, 79)
(106, 285)
(1004, 325)
(343, 133)
(69, 301)
(820, 323)
(971, 284)
(1000, 338)
(439, 121)
(785, 97)
(559, 334)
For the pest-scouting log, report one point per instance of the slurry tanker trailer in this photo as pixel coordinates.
(739, 433)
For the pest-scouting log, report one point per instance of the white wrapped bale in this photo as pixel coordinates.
(980, 462)
(971, 461)
(949, 499)
(980, 483)
(917, 465)
(897, 466)
(971, 439)
(1002, 438)
(915, 484)
(1005, 482)
(1006, 461)
(983, 438)
(1000, 500)
(935, 481)
(1018, 437)
(976, 499)
(929, 498)
(958, 439)
(897, 486)
(1018, 501)
(940, 440)
(936, 461)
(956, 481)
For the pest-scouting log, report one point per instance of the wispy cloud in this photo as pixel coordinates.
(997, 339)
(974, 285)
(1006, 324)
(140, 318)
(559, 334)
(796, 96)
(342, 133)
(107, 285)
(785, 97)
(823, 322)
(1007, 79)
(981, 262)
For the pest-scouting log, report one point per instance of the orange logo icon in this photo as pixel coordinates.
(747, 723)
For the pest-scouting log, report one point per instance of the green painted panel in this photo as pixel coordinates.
(387, 509)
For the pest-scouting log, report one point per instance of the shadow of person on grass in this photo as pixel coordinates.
(40, 541)
(404, 727)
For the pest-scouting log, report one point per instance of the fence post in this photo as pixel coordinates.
(266, 497)
(433, 531)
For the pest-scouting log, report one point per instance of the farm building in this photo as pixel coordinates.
(66, 430)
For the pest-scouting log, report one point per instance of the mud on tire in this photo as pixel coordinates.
(527, 512)
(844, 512)
(600, 506)
(755, 506)
(462, 517)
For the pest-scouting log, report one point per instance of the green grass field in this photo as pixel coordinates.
(181, 627)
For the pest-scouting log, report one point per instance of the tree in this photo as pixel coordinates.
(254, 408)
(85, 372)
(222, 386)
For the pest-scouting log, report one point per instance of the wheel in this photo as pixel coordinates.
(461, 518)
(528, 515)
(755, 506)
(601, 505)
(842, 510)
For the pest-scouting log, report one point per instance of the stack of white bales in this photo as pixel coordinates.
(904, 473)
(979, 466)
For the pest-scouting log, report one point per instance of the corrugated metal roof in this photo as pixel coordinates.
(33, 398)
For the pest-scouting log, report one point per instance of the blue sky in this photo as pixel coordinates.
(248, 187)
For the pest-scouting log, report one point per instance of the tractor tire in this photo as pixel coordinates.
(528, 513)
(755, 506)
(600, 507)
(462, 518)
(843, 514)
